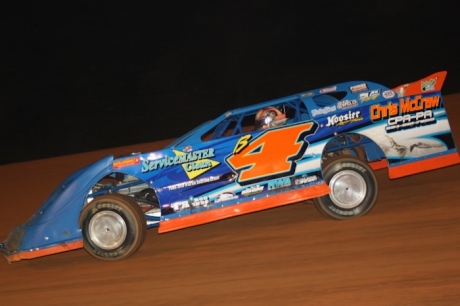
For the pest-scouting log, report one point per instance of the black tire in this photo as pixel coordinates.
(353, 186)
(113, 227)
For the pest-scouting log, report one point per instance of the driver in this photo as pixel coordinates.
(269, 117)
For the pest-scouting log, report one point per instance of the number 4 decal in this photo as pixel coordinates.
(271, 154)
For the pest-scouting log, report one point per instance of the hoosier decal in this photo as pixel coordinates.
(344, 119)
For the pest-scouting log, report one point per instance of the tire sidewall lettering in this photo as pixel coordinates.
(125, 208)
(329, 208)
(106, 206)
(351, 166)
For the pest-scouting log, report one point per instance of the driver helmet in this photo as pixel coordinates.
(269, 117)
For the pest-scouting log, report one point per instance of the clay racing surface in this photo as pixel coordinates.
(406, 251)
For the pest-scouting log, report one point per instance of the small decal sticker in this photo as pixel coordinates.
(388, 94)
(358, 88)
(126, 162)
(328, 89)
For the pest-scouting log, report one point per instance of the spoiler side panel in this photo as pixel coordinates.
(431, 132)
(433, 82)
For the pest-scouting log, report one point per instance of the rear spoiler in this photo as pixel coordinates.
(432, 82)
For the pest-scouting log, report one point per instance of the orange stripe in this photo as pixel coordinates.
(424, 165)
(46, 251)
(245, 208)
(379, 164)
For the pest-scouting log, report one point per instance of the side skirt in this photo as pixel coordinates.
(245, 208)
(424, 165)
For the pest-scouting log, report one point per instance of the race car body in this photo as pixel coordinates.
(322, 144)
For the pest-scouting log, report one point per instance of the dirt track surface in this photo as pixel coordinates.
(406, 251)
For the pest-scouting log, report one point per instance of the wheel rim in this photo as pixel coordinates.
(348, 189)
(107, 230)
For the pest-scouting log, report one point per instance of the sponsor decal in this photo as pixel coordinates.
(347, 104)
(126, 162)
(338, 120)
(192, 202)
(226, 196)
(307, 94)
(358, 88)
(194, 163)
(428, 85)
(409, 113)
(388, 94)
(181, 205)
(370, 95)
(199, 201)
(328, 89)
(305, 179)
(252, 190)
(203, 180)
(323, 111)
(279, 183)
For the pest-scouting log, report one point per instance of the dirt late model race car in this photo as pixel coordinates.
(323, 144)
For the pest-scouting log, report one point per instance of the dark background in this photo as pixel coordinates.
(78, 78)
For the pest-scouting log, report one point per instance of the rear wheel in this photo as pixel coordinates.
(113, 227)
(353, 187)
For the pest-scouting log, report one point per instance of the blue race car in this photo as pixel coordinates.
(323, 145)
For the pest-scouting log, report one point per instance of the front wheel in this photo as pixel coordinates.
(353, 187)
(113, 227)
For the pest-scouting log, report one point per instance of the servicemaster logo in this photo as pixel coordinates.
(197, 164)
(194, 163)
